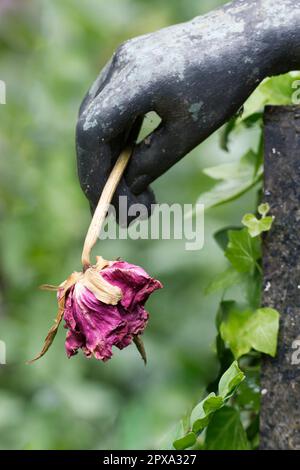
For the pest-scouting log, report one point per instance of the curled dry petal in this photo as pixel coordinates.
(102, 290)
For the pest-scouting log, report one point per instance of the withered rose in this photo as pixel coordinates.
(103, 307)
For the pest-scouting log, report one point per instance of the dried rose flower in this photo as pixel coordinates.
(103, 307)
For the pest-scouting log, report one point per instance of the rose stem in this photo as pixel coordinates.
(102, 206)
(99, 217)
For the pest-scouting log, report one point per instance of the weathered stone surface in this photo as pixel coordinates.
(280, 379)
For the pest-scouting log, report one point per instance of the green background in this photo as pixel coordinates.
(50, 53)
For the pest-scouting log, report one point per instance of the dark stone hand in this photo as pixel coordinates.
(195, 75)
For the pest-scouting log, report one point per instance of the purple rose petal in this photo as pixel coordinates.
(96, 327)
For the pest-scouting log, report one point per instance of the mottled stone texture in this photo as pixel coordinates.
(280, 380)
(195, 75)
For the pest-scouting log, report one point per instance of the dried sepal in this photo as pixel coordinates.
(65, 286)
(140, 347)
(49, 287)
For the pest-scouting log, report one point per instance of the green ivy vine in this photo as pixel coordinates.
(228, 417)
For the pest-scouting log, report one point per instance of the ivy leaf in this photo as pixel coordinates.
(186, 441)
(266, 223)
(224, 310)
(243, 168)
(252, 289)
(221, 236)
(212, 403)
(203, 412)
(253, 432)
(274, 90)
(253, 119)
(200, 415)
(264, 209)
(234, 332)
(176, 433)
(224, 280)
(262, 332)
(230, 380)
(225, 133)
(225, 431)
(257, 226)
(248, 396)
(234, 180)
(242, 250)
(277, 90)
(246, 330)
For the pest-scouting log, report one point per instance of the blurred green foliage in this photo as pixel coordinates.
(50, 53)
